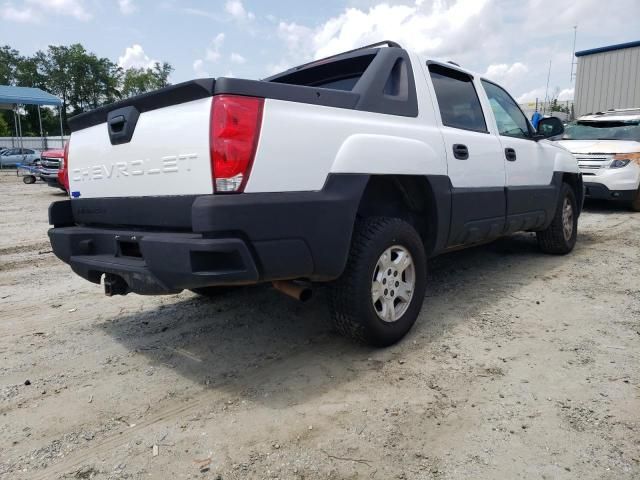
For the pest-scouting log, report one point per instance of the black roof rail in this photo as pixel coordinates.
(388, 43)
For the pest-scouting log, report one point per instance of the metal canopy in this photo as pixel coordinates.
(10, 96)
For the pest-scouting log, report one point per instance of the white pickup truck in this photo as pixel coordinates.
(607, 147)
(351, 170)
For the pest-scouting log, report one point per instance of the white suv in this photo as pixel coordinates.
(607, 146)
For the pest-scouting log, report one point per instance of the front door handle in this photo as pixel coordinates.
(461, 152)
(510, 154)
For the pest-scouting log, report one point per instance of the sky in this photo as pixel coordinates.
(509, 41)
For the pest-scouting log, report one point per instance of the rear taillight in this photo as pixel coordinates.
(235, 129)
(63, 170)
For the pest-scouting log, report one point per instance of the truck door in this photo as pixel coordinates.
(529, 164)
(475, 163)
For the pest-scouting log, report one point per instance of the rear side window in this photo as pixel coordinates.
(335, 74)
(457, 99)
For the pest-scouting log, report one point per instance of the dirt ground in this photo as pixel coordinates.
(521, 365)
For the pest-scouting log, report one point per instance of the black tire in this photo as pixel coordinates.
(29, 179)
(635, 203)
(212, 292)
(350, 296)
(556, 239)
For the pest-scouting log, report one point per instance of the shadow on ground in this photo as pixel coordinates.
(255, 342)
(605, 206)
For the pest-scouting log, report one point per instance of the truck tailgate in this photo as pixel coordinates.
(168, 154)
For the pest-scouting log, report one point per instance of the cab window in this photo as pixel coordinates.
(509, 118)
(457, 99)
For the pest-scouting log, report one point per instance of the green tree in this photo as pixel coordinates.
(5, 129)
(81, 79)
(140, 80)
(9, 60)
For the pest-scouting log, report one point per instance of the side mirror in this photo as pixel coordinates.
(549, 127)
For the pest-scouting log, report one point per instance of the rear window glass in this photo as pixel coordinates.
(334, 74)
(457, 99)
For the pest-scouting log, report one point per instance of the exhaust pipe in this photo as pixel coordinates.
(114, 285)
(299, 291)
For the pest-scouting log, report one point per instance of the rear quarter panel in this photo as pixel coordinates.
(301, 144)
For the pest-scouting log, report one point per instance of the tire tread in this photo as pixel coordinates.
(345, 312)
(552, 239)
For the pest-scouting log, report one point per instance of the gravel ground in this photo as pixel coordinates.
(521, 365)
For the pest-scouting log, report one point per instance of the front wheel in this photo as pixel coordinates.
(560, 236)
(378, 297)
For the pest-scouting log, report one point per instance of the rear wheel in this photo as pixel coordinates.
(560, 237)
(635, 203)
(29, 179)
(378, 297)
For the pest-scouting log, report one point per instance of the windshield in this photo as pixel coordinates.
(603, 131)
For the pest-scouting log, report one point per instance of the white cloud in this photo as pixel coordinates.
(35, 10)
(237, 58)
(512, 42)
(566, 94)
(437, 28)
(506, 75)
(71, 8)
(532, 95)
(12, 14)
(540, 93)
(202, 13)
(127, 7)
(237, 10)
(295, 35)
(198, 68)
(135, 57)
(212, 53)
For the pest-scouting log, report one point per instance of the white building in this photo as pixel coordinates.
(608, 77)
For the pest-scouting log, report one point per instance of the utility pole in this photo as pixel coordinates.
(546, 92)
(573, 54)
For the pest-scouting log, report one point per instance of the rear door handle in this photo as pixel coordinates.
(461, 152)
(510, 154)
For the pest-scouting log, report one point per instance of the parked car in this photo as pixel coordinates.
(13, 156)
(50, 161)
(607, 146)
(351, 171)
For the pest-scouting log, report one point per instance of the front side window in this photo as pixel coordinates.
(509, 118)
(457, 99)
